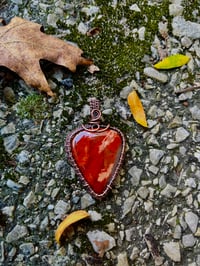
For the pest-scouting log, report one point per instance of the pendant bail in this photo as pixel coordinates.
(95, 111)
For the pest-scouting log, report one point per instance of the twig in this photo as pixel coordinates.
(188, 89)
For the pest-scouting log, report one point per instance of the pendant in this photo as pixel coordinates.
(96, 152)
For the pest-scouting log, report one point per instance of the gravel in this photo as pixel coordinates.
(157, 192)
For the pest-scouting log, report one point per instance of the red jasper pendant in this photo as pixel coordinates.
(96, 152)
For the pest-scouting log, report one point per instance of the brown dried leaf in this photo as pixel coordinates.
(23, 45)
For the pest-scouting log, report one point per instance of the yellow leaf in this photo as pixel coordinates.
(69, 220)
(172, 61)
(137, 108)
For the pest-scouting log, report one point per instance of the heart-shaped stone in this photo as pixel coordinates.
(96, 156)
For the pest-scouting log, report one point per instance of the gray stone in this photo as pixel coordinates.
(29, 199)
(125, 92)
(27, 249)
(95, 216)
(195, 111)
(191, 182)
(155, 155)
(86, 201)
(148, 206)
(186, 42)
(52, 20)
(181, 134)
(153, 169)
(82, 28)
(44, 223)
(188, 240)
(177, 232)
(172, 249)
(62, 207)
(122, 259)
(19, 231)
(175, 10)
(23, 157)
(8, 210)
(61, 166)
(98, 237)
(127, 206)
(181, 27)
(135, 253)
(91, 10)
(136, 175)
(192, 221)
(13, 185)
(135, 8)
(11, 143)
(155, 74)
(143, 192)
(168, 191)
(8, 129)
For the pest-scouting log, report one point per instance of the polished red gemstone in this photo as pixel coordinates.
(97, 156)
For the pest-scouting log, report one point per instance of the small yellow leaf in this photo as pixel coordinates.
(69, 220)
(172, 61)
(137, 108)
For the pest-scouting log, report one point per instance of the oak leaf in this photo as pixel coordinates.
(23, 45)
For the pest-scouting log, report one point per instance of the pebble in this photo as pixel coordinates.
(83, 28)
(13, 185)
(11, 143)
(135, 8)
(62, 208)
(8, 129)
(122, 259)
(181, 134)
(91, 10)
(29, 200)
(86, 201)
(195, 112)
(155, 155)
(27, 249)
(135, 173)
(127, 206)
(177, 232)
(19, 231)
(134, 254)
(155, 74)
(175, 10)
(95, 216)
(168, 191)
(172, 249)
(181, 28)
(143, 192)
(101, 240)
(188, 240)
(61, 167)
(23, 157)
(192, 221)
(125, 92)
(8, 210)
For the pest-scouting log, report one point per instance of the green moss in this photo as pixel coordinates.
(116, 50)
(33, 107)
(191, 10)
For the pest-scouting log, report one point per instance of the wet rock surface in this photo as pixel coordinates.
(157, 192)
